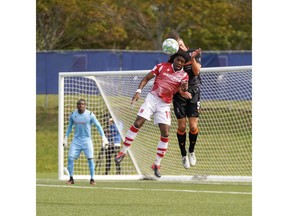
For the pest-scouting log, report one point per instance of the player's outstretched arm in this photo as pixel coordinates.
(174, 34)
(195, 53)
(69, 129)
(141, 85)
(100, 130)
(195, 62)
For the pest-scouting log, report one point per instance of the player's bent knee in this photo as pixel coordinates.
(137, 125)
(181, 129)
(165, 135)
(193, 130)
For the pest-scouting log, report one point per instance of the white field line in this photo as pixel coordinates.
(141, 189)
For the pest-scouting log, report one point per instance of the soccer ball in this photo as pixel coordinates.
(170, 46)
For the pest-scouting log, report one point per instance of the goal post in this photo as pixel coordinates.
(224, 145)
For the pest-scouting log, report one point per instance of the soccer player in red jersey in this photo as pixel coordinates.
(169, 77)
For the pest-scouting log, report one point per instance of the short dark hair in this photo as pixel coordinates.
(81, 100)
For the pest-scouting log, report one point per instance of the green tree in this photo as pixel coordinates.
(143, 24)
(53, 22)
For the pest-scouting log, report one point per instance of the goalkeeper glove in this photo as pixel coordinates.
(104, 142)
(65, 142)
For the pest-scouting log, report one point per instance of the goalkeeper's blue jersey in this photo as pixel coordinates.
(82, 125)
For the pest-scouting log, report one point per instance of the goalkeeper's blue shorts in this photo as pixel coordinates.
(77, 147)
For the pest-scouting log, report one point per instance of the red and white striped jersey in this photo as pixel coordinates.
(167, 81)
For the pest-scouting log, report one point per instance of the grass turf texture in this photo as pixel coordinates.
(46, 133)
(142, 198)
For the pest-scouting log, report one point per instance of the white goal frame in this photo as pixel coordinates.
(62, 171)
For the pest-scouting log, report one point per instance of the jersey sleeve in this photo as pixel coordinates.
(69, 129)
(157, 68)
(97, 124)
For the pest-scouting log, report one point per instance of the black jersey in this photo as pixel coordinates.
(194, 81)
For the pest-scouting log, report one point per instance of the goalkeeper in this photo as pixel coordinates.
(82, 120)
(187, 104)
(169, 77)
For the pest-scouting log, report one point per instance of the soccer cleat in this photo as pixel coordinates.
(71, 181)
(156, 169)
(119, 157)
(185, 162)
(92, 182)
(192, 159)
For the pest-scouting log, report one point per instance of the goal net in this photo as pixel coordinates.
(224, 144)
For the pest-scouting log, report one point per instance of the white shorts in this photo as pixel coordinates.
(154, 105)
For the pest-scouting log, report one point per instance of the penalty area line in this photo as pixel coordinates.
(141, 189)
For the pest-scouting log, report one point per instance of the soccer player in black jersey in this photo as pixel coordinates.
(187, 104)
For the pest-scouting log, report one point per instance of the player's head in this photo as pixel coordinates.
(81, 105)
(183, 54)
(111, 121)
(178, 62)
(179, 59)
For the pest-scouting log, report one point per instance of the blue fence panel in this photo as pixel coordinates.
(104, 61)
(49, 64)
(226, 86)
(142, 61)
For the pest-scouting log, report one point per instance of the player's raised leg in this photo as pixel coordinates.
(181, 137)
(129, 138)
(193, 134)
(193, 138)
(163, 142)
(161, 151)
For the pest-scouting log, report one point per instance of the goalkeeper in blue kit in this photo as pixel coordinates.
(82, 120)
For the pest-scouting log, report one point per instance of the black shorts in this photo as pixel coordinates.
(186, 107)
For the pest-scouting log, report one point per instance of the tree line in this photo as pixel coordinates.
(142, 24)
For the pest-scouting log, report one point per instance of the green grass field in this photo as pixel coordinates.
(142, 198)
(54, 197)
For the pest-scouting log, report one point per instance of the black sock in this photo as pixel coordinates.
(193, 139)
(181, 142)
